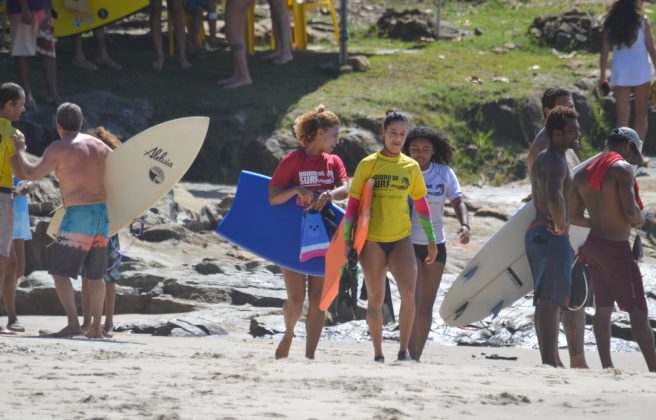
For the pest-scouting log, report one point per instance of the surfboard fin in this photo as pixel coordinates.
(458, 312)
(469, 274)
(497, 308)
(314, 238)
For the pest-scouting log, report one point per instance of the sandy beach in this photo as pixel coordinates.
(236, 376)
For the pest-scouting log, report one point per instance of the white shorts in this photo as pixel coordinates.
(23, 38)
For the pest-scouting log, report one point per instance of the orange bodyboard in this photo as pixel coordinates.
(335, 255)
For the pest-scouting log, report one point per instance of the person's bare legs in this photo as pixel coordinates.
(284, 36)
(574, 326)
(622, 96)
(315, 316)
(403, 266)
(175, 7)
(4, 263)
(103, 55)
(374, 267)
(110, 305)
(14, 271)
(86, 305)
(549, 318)
(66, 296)
(429, 277)
(23, 70)
(601, 327)
(79, 59)
(97, 294)
(292, 308)
(644, 336)
(235, 13)
(641, 102)
(536, 321)
(195, 46)
(275, 28)
(50, 74)
(283, 39)
(156, 32)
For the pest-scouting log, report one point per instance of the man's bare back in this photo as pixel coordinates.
(78, 160)
(612, 211)
(81, 169)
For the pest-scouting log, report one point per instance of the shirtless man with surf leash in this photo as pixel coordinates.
(548, 247)
(573, 320)
(608, 190)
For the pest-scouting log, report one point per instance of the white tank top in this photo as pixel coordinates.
(632, 66)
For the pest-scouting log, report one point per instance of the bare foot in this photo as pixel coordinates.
(94, 333)
(184, 63)
(85, 327)
(4, 331)
(158, 63)
(282, 59)
(227, 80)
(270, 55)
(85, 64)
(283, 347)
(109, 63)
(238, 83)
(107, 330)
(67, 331)
(578, 362)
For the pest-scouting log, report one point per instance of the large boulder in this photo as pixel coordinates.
(355, 144)
(573, 30)
(415, 25)
(516, 121)
(264, 154)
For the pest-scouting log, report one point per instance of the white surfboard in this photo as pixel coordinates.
(144, 168)
(499, 274)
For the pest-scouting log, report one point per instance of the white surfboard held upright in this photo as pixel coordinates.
(499, 274)
(144, 168)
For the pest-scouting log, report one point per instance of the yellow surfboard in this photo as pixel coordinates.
(72, 17)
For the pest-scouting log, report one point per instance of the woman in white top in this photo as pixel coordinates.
(627, 32)
(433, 153)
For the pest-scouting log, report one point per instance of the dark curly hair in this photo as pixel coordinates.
(622, 22)
(557, 119)
(442, 149)
(307, 125)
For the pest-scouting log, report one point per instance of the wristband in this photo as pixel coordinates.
(212, 16)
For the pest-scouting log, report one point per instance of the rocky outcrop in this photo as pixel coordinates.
(415, 25)
(264, 154)
(187, 326)
(123, 117)
(573, 30)
(515, 121)
(355, 144)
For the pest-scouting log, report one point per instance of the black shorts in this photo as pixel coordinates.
(421, 252)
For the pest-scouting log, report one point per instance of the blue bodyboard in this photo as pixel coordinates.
(272, 232)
